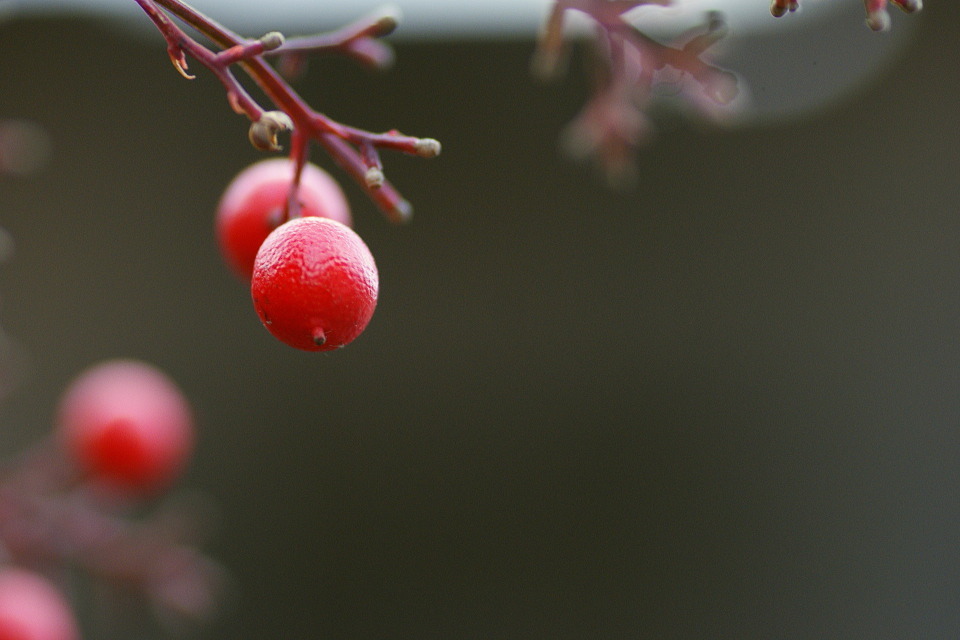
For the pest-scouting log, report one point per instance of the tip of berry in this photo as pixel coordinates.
(319, 337)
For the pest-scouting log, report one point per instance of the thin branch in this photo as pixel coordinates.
(307, 123)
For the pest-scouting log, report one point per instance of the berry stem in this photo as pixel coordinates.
(299, 151)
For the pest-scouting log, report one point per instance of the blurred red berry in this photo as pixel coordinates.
(253, 204)
(314, 284)
(31, 608)
(126, 423)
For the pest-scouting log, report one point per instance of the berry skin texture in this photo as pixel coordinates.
(127, 425)
(31, 608)
(254, 201)
(314, 284)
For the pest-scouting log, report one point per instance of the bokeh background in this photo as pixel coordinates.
(721, 404)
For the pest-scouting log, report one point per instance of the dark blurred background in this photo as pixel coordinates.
(723, 404)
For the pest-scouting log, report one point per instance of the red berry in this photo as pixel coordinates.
(254, 202)
(127, 424)
(31, 608)
(314, 284)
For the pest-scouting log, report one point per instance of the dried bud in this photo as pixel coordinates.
(263, 132)
(386, 20)
(427, 147)
(374, 178)
(179, 60)
(272, 40)
(779, 8)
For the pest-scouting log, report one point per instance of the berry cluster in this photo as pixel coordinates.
(284, 224)
(313, 280)
(124, 434)
(124, 431)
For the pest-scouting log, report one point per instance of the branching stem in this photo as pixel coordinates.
(349, 147)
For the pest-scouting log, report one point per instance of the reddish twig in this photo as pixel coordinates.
(614, 120)
(359, 40)
(348, 146)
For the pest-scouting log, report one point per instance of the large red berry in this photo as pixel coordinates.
(126, 423)
(253, 205)
(31, 608)
(314, 284)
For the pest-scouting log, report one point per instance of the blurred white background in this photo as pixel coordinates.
(430, 18)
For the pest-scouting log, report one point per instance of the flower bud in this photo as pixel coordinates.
(263, 132)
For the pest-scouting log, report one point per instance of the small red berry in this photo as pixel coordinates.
(31, 608)
(254, 201)
(314, 284)
(127, 423)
